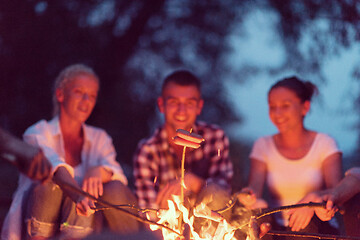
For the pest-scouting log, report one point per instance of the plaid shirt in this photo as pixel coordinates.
(155, 162)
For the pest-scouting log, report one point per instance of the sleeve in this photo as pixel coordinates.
(39, 135)
(145, 171)
(257, 151)
(221, 169)
(330, 147)
(107, 158)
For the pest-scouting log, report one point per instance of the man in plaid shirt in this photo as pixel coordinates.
(157, 161)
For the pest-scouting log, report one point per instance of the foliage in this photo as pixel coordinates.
(132, 45)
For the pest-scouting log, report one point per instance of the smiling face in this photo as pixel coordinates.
(77, 99)
(180, 105)
(286, 110)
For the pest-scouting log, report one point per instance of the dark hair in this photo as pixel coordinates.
(303, 89)
(182, 78)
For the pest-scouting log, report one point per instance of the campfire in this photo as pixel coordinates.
(179, 220)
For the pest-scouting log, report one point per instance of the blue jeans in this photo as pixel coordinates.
(50, 212)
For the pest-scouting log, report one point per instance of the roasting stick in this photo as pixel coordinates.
(183, 175)
(312, 235)
(185, 139)
(109, 205)
(182, 182)
(268, 211)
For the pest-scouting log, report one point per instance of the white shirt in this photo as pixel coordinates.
(290, 180)
(98, 150)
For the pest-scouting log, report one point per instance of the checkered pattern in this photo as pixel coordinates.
(155, 162)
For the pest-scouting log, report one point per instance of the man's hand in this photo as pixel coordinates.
(248, 198)
(193, 184)
(172, 188)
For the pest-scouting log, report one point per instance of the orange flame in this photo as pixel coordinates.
(172, 218)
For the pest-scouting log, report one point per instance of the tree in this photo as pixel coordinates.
(130, 44)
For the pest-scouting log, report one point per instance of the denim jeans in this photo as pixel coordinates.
(50, 212)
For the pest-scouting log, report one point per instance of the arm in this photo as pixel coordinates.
(347, 188)
(105, 151)
(257, 176)
(29, 159)
(252, 197)
(94, 179)
(146, 176)
(331, 169)
(61, 176)
(193, 184)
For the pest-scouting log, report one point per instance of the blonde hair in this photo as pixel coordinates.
(66, 76)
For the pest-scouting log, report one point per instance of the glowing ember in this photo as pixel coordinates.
(155, 179)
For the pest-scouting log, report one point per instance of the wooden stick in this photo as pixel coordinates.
(311, 235)
(107, 204)
(182, 179)
(269, 211)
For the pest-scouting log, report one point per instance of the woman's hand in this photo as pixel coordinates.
(93, 183)
(300, 218)
(84, 207)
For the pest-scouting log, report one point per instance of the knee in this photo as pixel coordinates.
(46, 189)
(116, 192)
(36, 228)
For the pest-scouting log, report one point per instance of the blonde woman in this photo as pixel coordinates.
(81, 155)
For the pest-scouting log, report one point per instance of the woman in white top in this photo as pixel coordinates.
(82, 156)
(295, 161)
